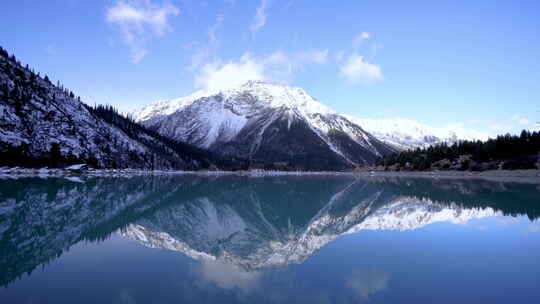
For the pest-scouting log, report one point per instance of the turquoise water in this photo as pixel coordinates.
(231, 239)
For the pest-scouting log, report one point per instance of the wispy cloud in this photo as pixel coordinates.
(357, 70)
(214, 28)
(138, 20)
(260, 17)
(203, 50)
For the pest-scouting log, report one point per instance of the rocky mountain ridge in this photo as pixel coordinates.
(267, 123)
(42, 124)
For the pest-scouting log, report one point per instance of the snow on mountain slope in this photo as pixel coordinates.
(271, 94)
(265, 122)
(44, 125)
(256, 233)
(252, 248)
(166, 107)
(43, 218)
(408, 213)
(407, 134)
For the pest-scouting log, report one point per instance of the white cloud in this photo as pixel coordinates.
(357, 41)
(364, 283)
(357, 70)
(228, 276)
(260, 16)
(277, 67)
(138, 20)
(217, 76)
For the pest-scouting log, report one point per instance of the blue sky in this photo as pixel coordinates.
(471, 63)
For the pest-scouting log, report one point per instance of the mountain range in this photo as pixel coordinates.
(247, 222)
(262, 233)
(254, 125)
(264, 121)
(408, 134)
(42, 124)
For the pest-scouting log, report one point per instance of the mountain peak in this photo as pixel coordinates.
(271, 122)
(268, 93)
(278, 95)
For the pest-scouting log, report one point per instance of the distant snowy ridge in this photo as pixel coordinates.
(409, 213)
(229, 112)
(407, 134)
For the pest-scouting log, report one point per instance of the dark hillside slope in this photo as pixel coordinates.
(42, 124)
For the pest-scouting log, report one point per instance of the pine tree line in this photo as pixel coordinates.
(503, 152)
(22, 81)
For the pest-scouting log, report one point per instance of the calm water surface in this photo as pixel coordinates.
(231, 239)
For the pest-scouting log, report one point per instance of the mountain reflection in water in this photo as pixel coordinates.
(237, 227)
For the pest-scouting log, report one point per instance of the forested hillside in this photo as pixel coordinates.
(504, 152)
(42, 124)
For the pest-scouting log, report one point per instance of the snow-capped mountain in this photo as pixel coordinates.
(257, 235)
(252, 223)
(265, 122)
(42, 123)
(407, 134)
(167, 107)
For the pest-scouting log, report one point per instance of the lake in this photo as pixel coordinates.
(282, 239)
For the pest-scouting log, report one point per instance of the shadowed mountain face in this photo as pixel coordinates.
(252, 223)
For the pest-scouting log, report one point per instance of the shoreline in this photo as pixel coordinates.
(528, 175)
(488, 173)
(519, 176)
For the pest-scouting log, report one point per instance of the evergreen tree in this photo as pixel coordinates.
(5, 90)
(516, 151)
(55, 155)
